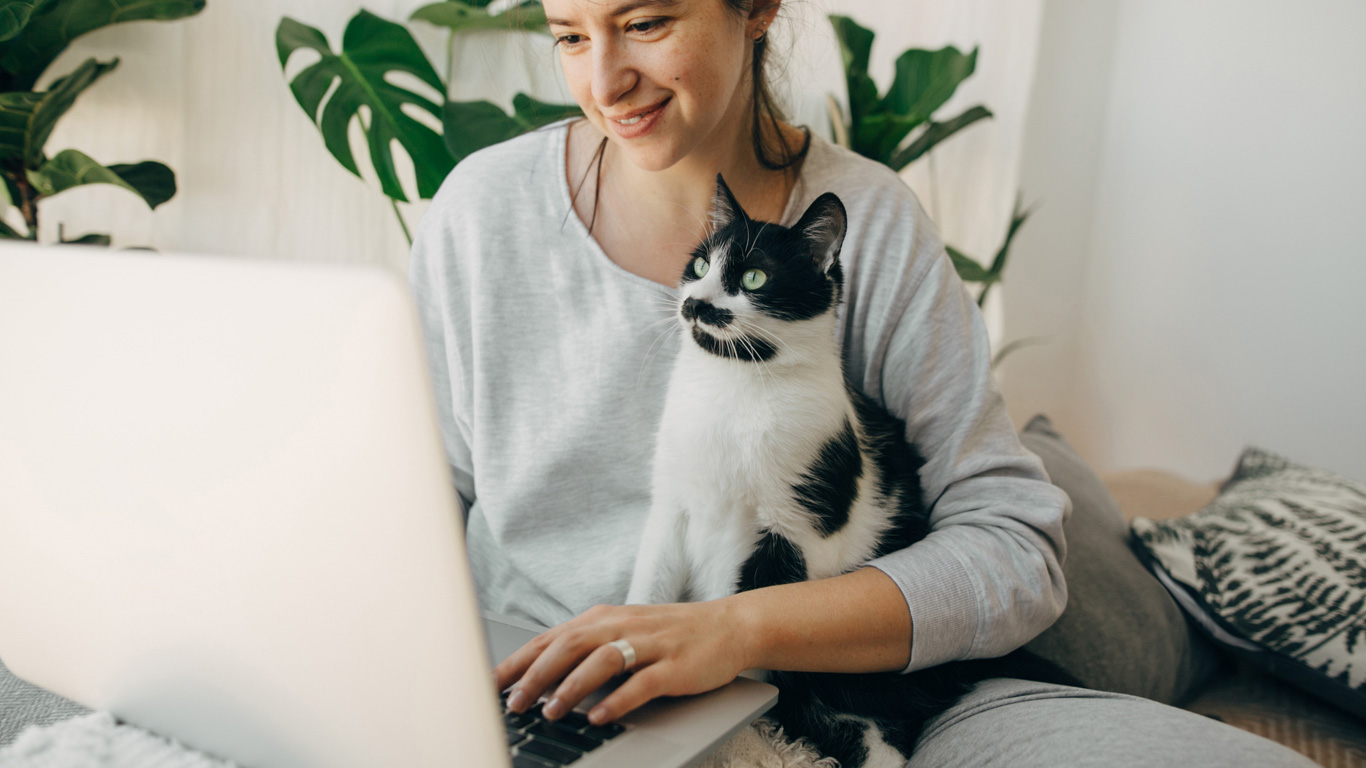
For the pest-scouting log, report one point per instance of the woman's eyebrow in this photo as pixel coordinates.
(622, 10)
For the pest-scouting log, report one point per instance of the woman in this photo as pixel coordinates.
(545, 272)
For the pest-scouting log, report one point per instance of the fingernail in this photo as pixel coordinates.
(597, 716)
(517, 701)
(553, 709)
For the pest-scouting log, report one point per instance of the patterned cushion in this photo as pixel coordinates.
(1274, 569)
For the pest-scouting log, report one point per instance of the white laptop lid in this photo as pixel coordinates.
(182, 423)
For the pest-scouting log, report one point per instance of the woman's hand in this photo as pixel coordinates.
(681, 648)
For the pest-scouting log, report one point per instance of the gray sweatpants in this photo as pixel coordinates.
(1021, 724)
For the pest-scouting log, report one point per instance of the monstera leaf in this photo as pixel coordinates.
(924, 81)
(371, 48)
(474, 16)
(38, 112)
(14, 15)
(473, 125)
(53, 24)
(153, 182)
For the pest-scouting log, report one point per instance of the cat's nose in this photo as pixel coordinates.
(696, 309)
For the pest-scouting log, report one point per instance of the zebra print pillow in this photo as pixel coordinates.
(1274, 569)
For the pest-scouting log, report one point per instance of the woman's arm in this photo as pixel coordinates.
(857, 622)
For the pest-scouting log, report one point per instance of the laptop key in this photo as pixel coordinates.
(558, 753)
(518, 721)
(514, 737)
(530, 761)
(603, 732)
(565, 736)
(575, 719)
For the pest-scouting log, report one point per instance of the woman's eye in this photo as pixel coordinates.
(700, 267)
(648, 25)
(568, 41)
(753, 279)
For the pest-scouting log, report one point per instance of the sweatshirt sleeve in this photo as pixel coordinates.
(432, 279)
(988, 577)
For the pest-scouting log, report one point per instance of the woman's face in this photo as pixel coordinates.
(662, 79)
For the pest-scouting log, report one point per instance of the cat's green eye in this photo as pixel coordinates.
(753, 280)
(700, 266)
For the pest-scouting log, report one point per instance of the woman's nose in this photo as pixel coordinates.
(614, 75)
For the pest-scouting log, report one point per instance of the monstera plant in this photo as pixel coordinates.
(32, 34)
(372, 48)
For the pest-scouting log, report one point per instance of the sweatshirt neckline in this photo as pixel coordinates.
(562, 184)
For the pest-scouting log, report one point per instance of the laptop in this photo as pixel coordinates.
(227, 518)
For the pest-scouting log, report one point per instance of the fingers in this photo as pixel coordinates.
(645, 685)
(602, 664)
(543, 664)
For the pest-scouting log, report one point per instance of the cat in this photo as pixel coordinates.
(771, 468)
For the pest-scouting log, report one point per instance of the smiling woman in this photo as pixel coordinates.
(549, 300)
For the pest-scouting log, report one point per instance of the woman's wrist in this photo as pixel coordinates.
(857, 622)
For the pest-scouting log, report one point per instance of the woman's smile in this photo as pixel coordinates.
(640, 122)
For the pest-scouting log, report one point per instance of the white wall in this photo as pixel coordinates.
(1199, 259)
(206, 96)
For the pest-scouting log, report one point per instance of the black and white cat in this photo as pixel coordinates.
(770, 468)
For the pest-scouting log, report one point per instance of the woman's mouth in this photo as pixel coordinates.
(639, 124)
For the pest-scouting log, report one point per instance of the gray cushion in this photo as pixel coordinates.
(1121, 630)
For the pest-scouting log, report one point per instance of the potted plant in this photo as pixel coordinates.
(32, 34)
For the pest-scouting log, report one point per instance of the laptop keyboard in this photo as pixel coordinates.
(536, 742)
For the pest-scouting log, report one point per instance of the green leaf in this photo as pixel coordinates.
(16, 111)
(14, 16)
(371, 48)
(1018, 218)
(55, 24)
(925, 80)
(91, 239)
(534, 114)
(856, 43)
(72, 168)
(154, 181)
(56, 101)
(473, 17)
(969, 270)
(935, 133)
(472, 125)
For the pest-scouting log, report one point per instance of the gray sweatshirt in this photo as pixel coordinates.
(551, 365)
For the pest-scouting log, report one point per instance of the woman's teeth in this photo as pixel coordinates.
(631, 121)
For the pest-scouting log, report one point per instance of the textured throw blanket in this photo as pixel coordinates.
(96, 741)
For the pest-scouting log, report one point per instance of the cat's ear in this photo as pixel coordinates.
(823, 226)
(724, 207)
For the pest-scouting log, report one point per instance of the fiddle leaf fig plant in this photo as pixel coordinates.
(372, 48)
(880, 127)
(32, 34)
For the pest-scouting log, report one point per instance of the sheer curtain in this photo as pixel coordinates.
(206, 96)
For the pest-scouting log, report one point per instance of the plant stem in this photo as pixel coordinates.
(401, 222)
(28, 203)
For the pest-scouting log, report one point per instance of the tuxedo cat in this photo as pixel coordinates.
(770, 468)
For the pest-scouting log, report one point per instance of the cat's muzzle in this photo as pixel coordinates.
(696, 309)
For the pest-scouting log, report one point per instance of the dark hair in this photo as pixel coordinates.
(762, 109)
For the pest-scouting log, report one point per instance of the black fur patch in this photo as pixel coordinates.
(696, 309)
(775, 561)
(898, 464)
(829, 487)
(750, 348)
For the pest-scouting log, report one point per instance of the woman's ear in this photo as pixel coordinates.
(761, 17)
